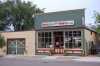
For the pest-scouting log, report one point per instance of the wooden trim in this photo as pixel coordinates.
(44, 49)
(73, 49)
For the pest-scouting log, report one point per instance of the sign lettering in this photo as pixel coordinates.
(57, 23)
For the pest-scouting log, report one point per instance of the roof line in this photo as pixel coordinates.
(58, 11)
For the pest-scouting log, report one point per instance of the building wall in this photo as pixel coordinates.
(29, 40)
(90, 37)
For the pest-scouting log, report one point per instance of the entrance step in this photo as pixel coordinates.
(58, 55)
(49, 58)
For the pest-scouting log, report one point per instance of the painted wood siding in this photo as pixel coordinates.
(77, 15)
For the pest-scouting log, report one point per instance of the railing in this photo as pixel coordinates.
(45, 50)
(59, 51)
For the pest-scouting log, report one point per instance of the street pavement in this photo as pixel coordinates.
(49, 61)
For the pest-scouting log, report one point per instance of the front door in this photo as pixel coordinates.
(15, 46)
(58, 43)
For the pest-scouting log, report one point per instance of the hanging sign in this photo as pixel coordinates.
(57, 23)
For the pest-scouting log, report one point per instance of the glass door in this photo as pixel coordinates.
(20, 47)
(11, 49)
(58, 40)
(16, 46)
(58, 43)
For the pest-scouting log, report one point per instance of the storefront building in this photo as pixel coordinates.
(63, 33)
(55, 33)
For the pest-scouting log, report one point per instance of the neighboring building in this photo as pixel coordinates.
(19, 43)
(55, 33)
(65, 31)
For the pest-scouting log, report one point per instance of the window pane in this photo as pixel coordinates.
(46, 34)
(42, 34)
(20, 44)
(67, 45)
(70, 33)
(70, 45)
(20, 50)
(74, 33)
(11, 50)
(49, 34)
(79, 33)
(50, 40)
(66, 34)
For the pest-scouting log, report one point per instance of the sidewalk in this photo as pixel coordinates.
(72, 58)
(57, 58)
(87, 59)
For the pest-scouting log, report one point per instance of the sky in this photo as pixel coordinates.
(61, 5)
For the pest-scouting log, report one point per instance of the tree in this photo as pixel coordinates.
(97, 15)
(2, 44)
(18, 14)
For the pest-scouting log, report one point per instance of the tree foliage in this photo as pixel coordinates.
(97, 15)
(19, 14)
(2, 41)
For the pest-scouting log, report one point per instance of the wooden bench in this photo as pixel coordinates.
(45, 50)
(73, 51)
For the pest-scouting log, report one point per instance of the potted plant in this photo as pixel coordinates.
(2, 44)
